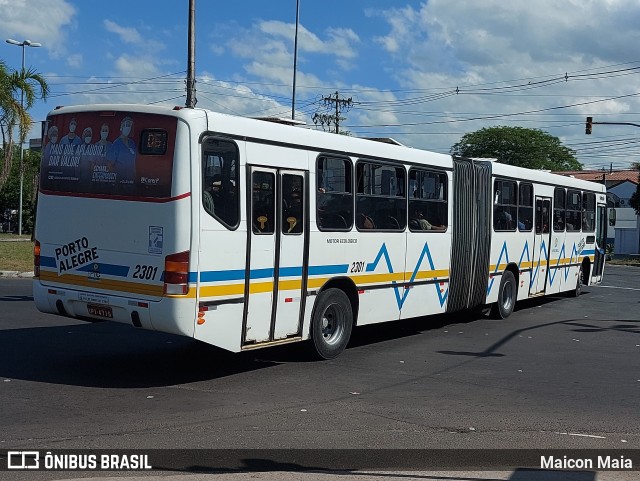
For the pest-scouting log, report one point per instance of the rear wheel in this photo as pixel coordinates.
(507, 296)
(331, 323)
(578, 289)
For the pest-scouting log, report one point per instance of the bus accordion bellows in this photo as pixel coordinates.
(244, 233)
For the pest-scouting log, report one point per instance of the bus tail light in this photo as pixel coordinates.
(176, 273)
(36, 259)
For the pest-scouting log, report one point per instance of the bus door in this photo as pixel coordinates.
(276, 254)
(542, 239)
(601, 242)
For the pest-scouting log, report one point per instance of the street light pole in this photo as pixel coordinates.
(23, 44)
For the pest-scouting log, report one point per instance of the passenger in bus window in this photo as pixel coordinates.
(422, 223)
(503, 219)
(366, 222)
(211, 194)
(585, 222)
(558, 223)
(293, 214)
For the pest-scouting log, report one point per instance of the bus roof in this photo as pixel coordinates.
(291, 134)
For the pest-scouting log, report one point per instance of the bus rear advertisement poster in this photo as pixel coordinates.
(123, 154)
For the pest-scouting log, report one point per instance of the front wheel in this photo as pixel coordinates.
(507, 296)
(331, 323)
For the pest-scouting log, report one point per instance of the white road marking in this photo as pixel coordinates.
(583, 435)
(624, 288)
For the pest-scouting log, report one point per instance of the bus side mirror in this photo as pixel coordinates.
(612, 216)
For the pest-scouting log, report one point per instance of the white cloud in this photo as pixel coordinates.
(439, 45)
(45, 21)
(75, 60)
(340, 41)
(133, 66)
(126, 34)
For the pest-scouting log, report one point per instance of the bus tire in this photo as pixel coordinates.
(578, 289)
(507, 296)
(331, 323)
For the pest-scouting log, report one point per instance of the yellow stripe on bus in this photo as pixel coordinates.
(429, 274)
(222, 290)
(532, 265)
(314, 283)
(103, 283)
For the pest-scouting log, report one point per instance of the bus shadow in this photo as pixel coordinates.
(375, 333)
(111, 355)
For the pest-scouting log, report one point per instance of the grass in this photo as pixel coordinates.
(625, 261)
(18, 255)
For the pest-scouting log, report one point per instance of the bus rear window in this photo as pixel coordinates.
(114, 153)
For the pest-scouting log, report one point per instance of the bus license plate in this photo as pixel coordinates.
(100, 311)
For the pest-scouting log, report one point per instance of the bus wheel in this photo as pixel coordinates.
(331, 323)
(506, 296)
(578, 290)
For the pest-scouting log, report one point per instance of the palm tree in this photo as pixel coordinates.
(18, 92)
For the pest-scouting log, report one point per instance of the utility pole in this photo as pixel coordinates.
(191, 58)
(340, 104)
(295, 62)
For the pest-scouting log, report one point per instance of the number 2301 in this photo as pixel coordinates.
(145, 272)
(357, 267)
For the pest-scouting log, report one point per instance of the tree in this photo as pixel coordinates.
(530, 148)
(18, 92)
(635, 198)
(10, 192)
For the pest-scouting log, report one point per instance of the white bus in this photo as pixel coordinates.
(245, 233)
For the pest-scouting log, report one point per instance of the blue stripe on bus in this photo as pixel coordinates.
(291, 271)
(330, 269)
(48, 262)
(589, 252)
(230, 275)
(294, 271)
(108, 269)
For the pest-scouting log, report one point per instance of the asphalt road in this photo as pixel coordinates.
(559, 374)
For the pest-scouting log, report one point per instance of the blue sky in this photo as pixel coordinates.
(422, 72)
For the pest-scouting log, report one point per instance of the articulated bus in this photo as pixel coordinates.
(245, 233)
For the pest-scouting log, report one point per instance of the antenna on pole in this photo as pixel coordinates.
(191, 58)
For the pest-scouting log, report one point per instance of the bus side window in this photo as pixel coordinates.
(505, 208)
(574, 211)
(559, 204)
(589, 212)
(525, 207)
(263, 205)
(380, 196)
(220, 196)
(292, 204)
(334, 197)
(427, 201)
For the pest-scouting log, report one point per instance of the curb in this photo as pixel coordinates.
(15, 274)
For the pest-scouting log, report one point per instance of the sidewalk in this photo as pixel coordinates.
(15, 274)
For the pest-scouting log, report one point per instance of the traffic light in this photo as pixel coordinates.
(588, 126)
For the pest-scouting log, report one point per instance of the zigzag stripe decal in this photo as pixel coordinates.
(400, 299)
(543, 256)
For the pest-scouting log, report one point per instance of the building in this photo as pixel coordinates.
(621, 185)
